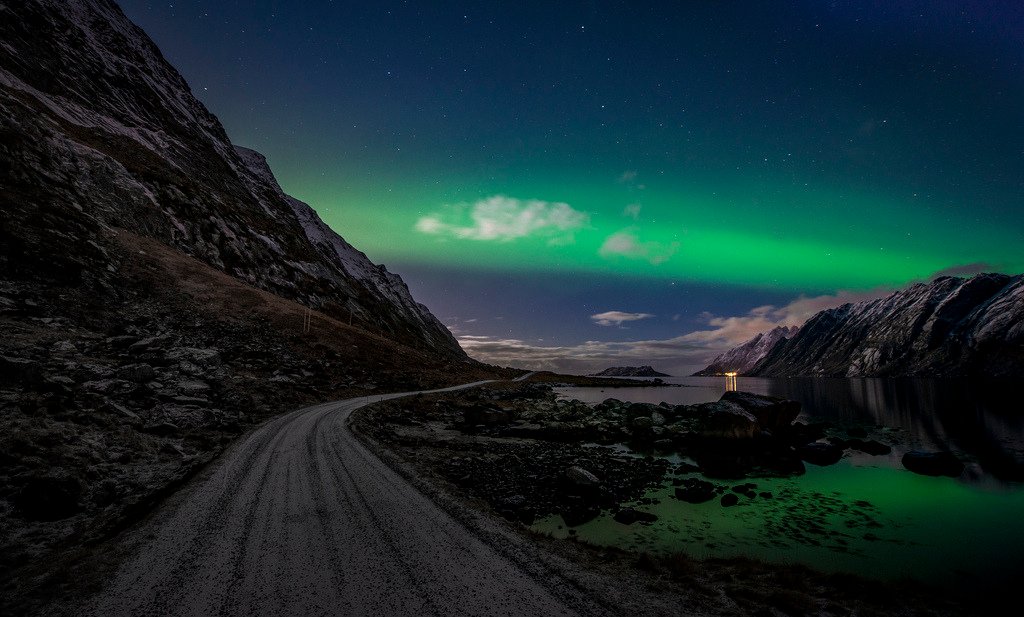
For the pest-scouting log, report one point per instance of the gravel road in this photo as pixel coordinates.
(301, 519)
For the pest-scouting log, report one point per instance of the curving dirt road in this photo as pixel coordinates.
(301, 519)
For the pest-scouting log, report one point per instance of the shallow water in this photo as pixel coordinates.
(865, 514)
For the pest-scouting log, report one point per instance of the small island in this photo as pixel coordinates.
(630, 371)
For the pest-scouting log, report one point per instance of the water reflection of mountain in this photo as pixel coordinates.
(980, 419)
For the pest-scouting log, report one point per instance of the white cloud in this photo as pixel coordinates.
(626, 243)
(632, 211)
(727, 332)
(680, 355)
(504, 219)
(617, 318)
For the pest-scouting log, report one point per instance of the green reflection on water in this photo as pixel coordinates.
(878, 521)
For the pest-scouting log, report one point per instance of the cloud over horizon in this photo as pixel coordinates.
(626, 243)
(617, 318)
(682, 354)
(503, 219)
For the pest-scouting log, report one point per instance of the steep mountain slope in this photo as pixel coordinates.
(100, 132)
(742, 358)
(949, 326)
(159, 293)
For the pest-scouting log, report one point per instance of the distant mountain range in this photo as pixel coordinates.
(950, 326)
(630, 371)
(743, 358)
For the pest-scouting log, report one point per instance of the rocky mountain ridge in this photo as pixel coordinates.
(101, 133)
(950, 326)
(159, 294)
(743, 358)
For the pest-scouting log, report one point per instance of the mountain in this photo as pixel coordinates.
(630, 371)
(159, 293)
(100, 133)
(743, 358)
(947, 327)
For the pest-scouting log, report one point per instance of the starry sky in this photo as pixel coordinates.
(577, 184)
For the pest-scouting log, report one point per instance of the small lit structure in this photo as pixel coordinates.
(730, 381)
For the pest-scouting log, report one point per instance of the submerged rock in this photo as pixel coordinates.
(933, 463)
(577, 516)
(628, 516)
(870, 446)
(695, 491)
(822, 454)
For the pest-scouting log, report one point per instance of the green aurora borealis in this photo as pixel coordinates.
(795, 239)
(737, 154)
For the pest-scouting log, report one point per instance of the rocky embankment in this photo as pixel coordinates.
(518, 451)
(529, 454)
(113, 394)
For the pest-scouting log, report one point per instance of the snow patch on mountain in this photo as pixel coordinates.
(950, 326)
(744, 357)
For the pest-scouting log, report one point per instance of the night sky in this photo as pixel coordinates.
(579, 184)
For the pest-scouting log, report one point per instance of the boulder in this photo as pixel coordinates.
(822, 454)
(771, 412)
(486, 416)
(628, 516)
(19, 370)
(642, 423)
(162, 429)
(49, 498)
(578, 515)
(870, 446)
(933, 463)
(190, 386)
(122, 341)
(726, 420)
(580, 477)
(146, 344)
(137, 373)
(695, 491)
(64, 347)
(205, 358)
(637, 410)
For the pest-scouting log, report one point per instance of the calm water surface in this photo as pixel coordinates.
(865, 514)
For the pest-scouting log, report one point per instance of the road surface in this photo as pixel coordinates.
(300, 518)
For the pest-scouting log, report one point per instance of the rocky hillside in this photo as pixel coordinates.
(99, 132)
(159, 294)
(949, 326)
(630, 371)
(743, 358)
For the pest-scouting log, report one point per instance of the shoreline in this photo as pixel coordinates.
(739, 585)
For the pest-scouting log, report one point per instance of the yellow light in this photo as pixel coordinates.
(733, 374)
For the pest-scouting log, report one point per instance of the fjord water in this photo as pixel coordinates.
(865, 514)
